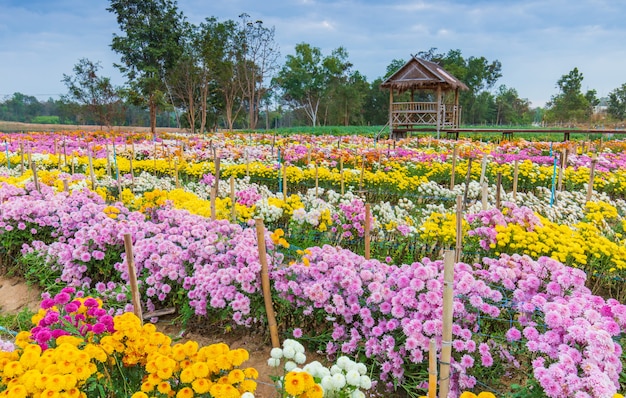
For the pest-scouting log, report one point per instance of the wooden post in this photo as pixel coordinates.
(21, 158)
(247, 164)
(233, 214)
(454, 155)
(155, 156)
(265, 283)
(285, 181)
(316, 180)
(366, 231)
(483, 169)
(515, 178)
(65, 152)
(72, 164)
(217, 173)
(432, 369)
(341, 175)
(33, 166)
(459, 229)
(308, 156)
(361, 175)
(176, 173)
(66, 185)
(561, 170)
(132, 276)
(91, 173)
(467, 181)
(592, 171)
(213, 194)
(485, 193)
(446, 335)
(108, 160)
(498, 190)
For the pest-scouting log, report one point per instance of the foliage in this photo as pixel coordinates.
(617, 103)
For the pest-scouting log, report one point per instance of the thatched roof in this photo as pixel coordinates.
(419, 74)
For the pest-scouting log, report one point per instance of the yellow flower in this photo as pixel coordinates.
(139, 394)
(164, 387)
(201, 386)
(185, 393)
(294, 383)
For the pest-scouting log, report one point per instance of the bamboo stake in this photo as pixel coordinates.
(361, 175)
(72, 164)
(366, 232)
(217, 173)
(212, 199)
(233, 214)
(247, 165)
(21, 158)
(285, 181)
(91, 173)
(176, 173)
(132, 276)
(485, 190)
(515, 178)
(483, 169)
(33, 166)
(446, 335)
(308, 156)
(561, 170)
(467, 181)
(454, 155)
(591, 177)
(108, 160)
(66, 185)
(459, 229)
(341, 175)
(316, 180)
(265, 283)
(498, 190)
(432, 369)
(155, 156)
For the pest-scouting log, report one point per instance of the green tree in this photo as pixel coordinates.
(149, 48)
(617, 103)
(303, 80)
(258, 61)
(511, 109)
(20, 107)
(376, 104)
(97, 97)
(345, 91)
(570, 104)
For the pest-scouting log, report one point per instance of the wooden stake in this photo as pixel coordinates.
(66, 185)
(366, 231)
(483, 169)
(132, 276)
(233, 214)
(21, 158)
(446, 335)
(485, 195)
(176, 173)
(216, 184)
(108, 160)
(459, 229)
(498, 190)
(561, 170)
(432, 369)
(33, 166)
(265, 283)
(467, 181)
(341, 175)
(212, 199)
(316, 180)
(515, 178)
(284, 181)
(91, 173)
(454, 155)
(592, 171)
(361, 175)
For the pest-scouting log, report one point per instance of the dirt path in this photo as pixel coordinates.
(16, 295)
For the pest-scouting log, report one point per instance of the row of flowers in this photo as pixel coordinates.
(213, 268)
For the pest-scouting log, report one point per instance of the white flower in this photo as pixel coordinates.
(343, 362)
(247, 395)
(353, 377)
(335, 370)
(339, 380)
(290, 365)
(327, 384)
(361, 368)
(273, 362)
(276, 353)
(357, 394)
(289, 352)
(300, 358)
(366, 382)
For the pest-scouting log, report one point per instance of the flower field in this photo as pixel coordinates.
(355, 232)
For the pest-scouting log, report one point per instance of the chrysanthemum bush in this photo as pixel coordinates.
(77, 350)
(345, 378)
(506, 309)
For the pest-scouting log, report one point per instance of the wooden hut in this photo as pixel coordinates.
(439, 92)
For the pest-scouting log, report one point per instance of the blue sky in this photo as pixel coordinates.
(537, 41)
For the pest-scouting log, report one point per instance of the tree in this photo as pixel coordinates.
(96, 95)
(510, 108)
(258, 61)
(20, 107)
(303, 80)
(617, 103)
(570, 104)
(149, 49)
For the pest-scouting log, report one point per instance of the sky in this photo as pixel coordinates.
(536, 41)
